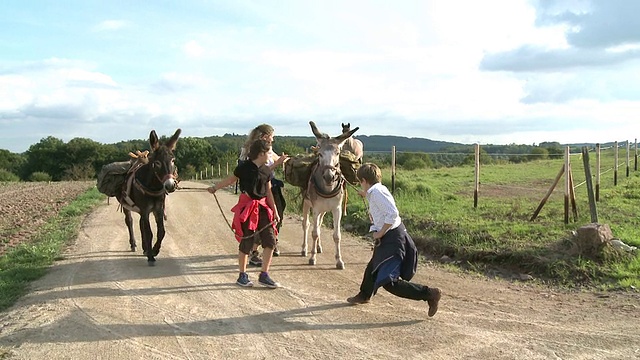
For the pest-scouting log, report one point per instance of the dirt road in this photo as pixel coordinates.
(104, 302)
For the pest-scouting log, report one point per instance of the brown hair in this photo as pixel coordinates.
(257, 133)
(369, 172)
(257, 147)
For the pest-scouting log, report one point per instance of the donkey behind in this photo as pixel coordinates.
(145, 189)
(324, 192)
(352, 144)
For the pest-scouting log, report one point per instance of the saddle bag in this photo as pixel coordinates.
(297, 169)
(112, 176)
(349, 166)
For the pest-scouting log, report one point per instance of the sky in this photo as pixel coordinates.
(466, 71)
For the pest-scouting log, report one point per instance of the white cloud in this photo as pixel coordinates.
(193, 49)
(110, 25)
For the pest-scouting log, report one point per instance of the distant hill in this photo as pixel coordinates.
(384, 143)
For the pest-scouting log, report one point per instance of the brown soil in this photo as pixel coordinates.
(104, 302)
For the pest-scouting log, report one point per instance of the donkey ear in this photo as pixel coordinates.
(153, 140)
(317, 132)
(171, 144)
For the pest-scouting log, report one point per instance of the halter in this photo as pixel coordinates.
(319, 189)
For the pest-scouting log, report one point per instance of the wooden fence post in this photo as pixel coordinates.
(572, 196)
(615, 165)
(567, 184)
(587, 174)
(544, 199)
(635, 156)
(393, 169)
(598, 172)
(219, 170)
(477, 176)
(628, 156)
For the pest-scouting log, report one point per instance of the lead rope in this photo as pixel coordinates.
(225, 217)
(346, 196)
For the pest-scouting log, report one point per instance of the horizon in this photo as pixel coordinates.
(446, 70)
(311, 136)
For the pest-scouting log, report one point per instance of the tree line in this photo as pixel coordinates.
(82, 158)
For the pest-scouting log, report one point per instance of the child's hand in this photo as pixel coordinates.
(281, 159)
(211, 189)
(362, 193)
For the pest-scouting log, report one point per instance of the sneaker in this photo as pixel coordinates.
(255, 259)
(432, 300)
(276, 252)
(358, 299)
(243, 280)
(265, 280)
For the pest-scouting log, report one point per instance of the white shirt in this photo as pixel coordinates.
(382, 208)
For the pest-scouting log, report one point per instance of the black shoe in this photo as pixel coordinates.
(358, 299)
(433, 299)
(276, 252)
(255, 259)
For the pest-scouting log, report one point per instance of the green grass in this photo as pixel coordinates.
(30, 261)
(437, 208)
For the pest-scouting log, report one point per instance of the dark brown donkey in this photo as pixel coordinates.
(144, 192)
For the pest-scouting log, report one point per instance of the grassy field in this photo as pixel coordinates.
(497, 238)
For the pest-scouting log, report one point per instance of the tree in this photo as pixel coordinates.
(83, 156)
(11, 162)
(540, 153)
(45, 157)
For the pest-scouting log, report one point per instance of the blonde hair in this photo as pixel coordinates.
(369, 172)
(256, 134)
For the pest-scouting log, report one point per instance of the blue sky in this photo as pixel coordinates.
(489, 72)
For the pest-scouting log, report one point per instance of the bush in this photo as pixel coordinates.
(39, 176)
(6, 175)
(414, 164)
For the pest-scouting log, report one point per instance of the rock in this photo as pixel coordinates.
(525, 277)
(590, 239)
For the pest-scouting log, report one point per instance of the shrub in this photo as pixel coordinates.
(414, 164)
(6, 175)
(39, 176)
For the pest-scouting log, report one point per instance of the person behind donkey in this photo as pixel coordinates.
(395, 257)
(255, 214)
(266, 132)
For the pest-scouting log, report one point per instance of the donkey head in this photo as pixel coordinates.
(329, 152)
(346, 128)
(161, 160)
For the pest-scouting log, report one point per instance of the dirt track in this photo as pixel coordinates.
(104, 302)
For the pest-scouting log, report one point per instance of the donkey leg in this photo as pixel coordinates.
(147, 236)
(315, 237)
(319, 241)
(128, 220)
(337, 236)
(305, 228)
(159, 216)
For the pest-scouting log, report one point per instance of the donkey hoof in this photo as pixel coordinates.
(151, 261)
(340, 265)
(312, 261)
(303, 253)
(133, 249)
(156, 252)
(319, 249)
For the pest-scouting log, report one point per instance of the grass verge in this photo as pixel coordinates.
(498, 238)
(30, 261)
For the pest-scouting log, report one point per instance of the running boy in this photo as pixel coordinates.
(255, 214)
(395, 256)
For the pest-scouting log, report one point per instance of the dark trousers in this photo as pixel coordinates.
(278, 199)
(400, 288)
